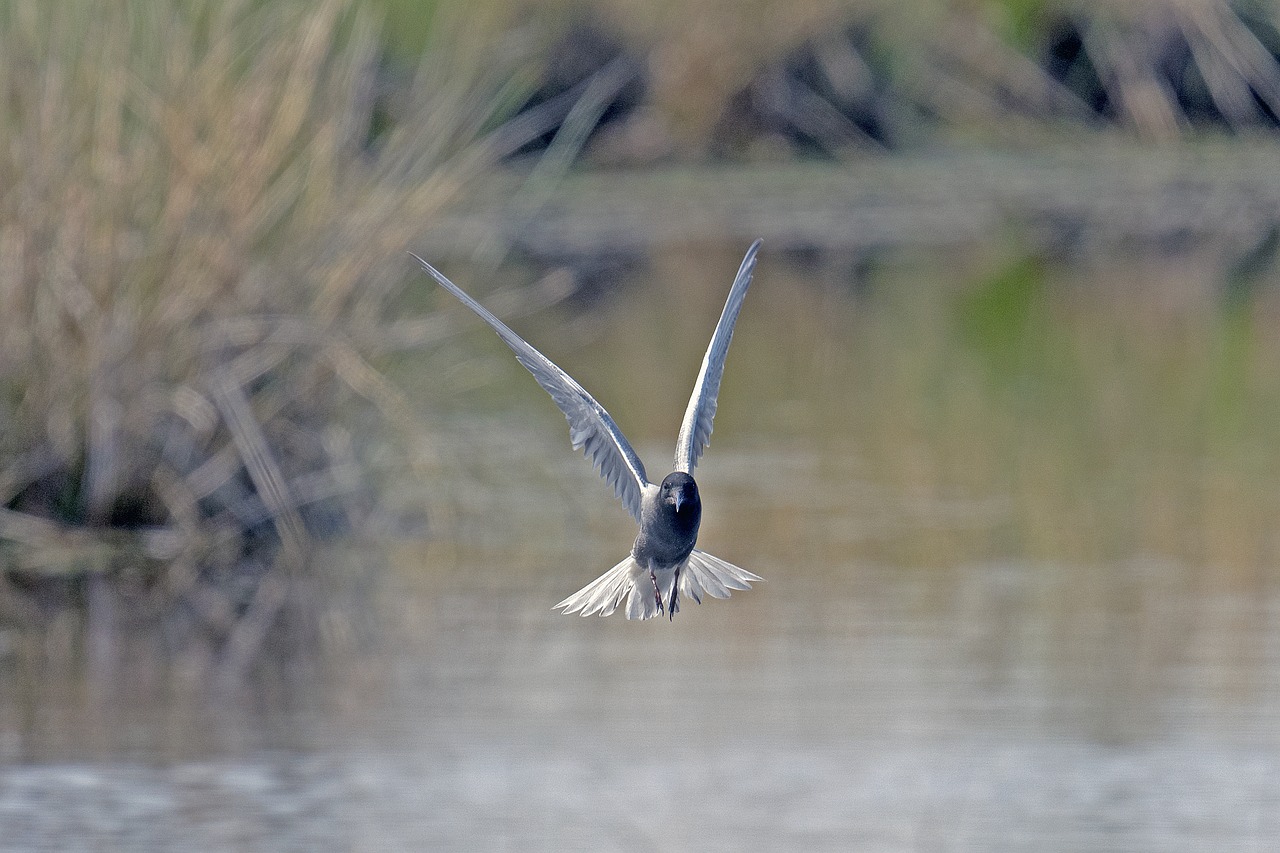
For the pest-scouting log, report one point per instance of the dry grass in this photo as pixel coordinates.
(1152, 69)
(201, 239)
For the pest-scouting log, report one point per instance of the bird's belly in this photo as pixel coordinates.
(661, 553)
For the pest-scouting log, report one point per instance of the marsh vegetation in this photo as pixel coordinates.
(1009, 366)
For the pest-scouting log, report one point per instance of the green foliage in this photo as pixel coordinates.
(1004, 318)
(1021, 22)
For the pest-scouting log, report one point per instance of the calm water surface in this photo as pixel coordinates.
(1017, 531)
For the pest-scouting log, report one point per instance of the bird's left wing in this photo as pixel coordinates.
(695, 432)
(590, 426)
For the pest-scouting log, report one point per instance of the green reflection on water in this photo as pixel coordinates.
(1015, 516)
(992, 405)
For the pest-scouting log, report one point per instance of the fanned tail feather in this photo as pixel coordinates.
(603, 595)
(712, 575)
(701, 573)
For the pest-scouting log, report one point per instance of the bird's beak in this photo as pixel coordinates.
(679, 496)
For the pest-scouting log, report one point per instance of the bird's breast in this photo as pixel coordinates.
(666, 537)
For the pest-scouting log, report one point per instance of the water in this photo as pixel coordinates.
(1020, 595)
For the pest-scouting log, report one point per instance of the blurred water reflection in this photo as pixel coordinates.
(1020, 596)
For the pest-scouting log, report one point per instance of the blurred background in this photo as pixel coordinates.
(281, 525)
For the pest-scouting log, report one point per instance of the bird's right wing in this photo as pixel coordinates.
(590, 426)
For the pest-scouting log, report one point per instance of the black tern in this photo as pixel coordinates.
(663, 564)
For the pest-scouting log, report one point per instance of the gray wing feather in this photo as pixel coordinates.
(695, 432)
(590, 426)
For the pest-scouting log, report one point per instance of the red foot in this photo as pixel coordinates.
(657, 594)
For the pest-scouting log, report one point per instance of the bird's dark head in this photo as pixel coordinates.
(679, 491)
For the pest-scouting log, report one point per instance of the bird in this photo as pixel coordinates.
(664, 562)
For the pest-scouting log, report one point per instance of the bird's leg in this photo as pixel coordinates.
(673, 606)
(657, 593)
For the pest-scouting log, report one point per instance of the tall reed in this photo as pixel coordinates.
(204, 208)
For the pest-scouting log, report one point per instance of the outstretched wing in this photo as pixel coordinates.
(695, 432)
(590, 426)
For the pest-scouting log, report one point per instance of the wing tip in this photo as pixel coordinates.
(426, 266)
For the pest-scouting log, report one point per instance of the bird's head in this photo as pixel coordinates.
(679, 491)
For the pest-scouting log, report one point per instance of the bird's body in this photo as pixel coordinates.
(669, 519)
(663, 563)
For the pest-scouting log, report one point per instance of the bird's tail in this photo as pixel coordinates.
(702, 573)
(627, 580)
(712, 575)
